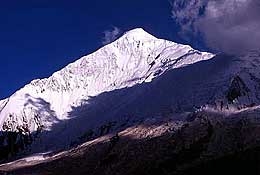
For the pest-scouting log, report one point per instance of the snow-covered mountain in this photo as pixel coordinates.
(136, 77)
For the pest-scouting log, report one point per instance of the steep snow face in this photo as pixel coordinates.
(135, 58)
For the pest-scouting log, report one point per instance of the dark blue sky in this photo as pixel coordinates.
(39, 38)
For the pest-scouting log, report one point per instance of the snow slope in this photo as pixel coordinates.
(135, 77)
(132, 59)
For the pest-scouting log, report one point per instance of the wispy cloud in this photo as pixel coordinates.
(111, 35)
(230, 26)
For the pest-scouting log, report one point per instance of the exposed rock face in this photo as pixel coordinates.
(237, 89)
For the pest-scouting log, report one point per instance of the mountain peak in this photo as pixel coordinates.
(137, 30)
(138, 33)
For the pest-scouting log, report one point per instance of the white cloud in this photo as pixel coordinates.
(231, 26)
(111, 35)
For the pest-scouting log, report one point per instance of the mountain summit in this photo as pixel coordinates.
(138, 33)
